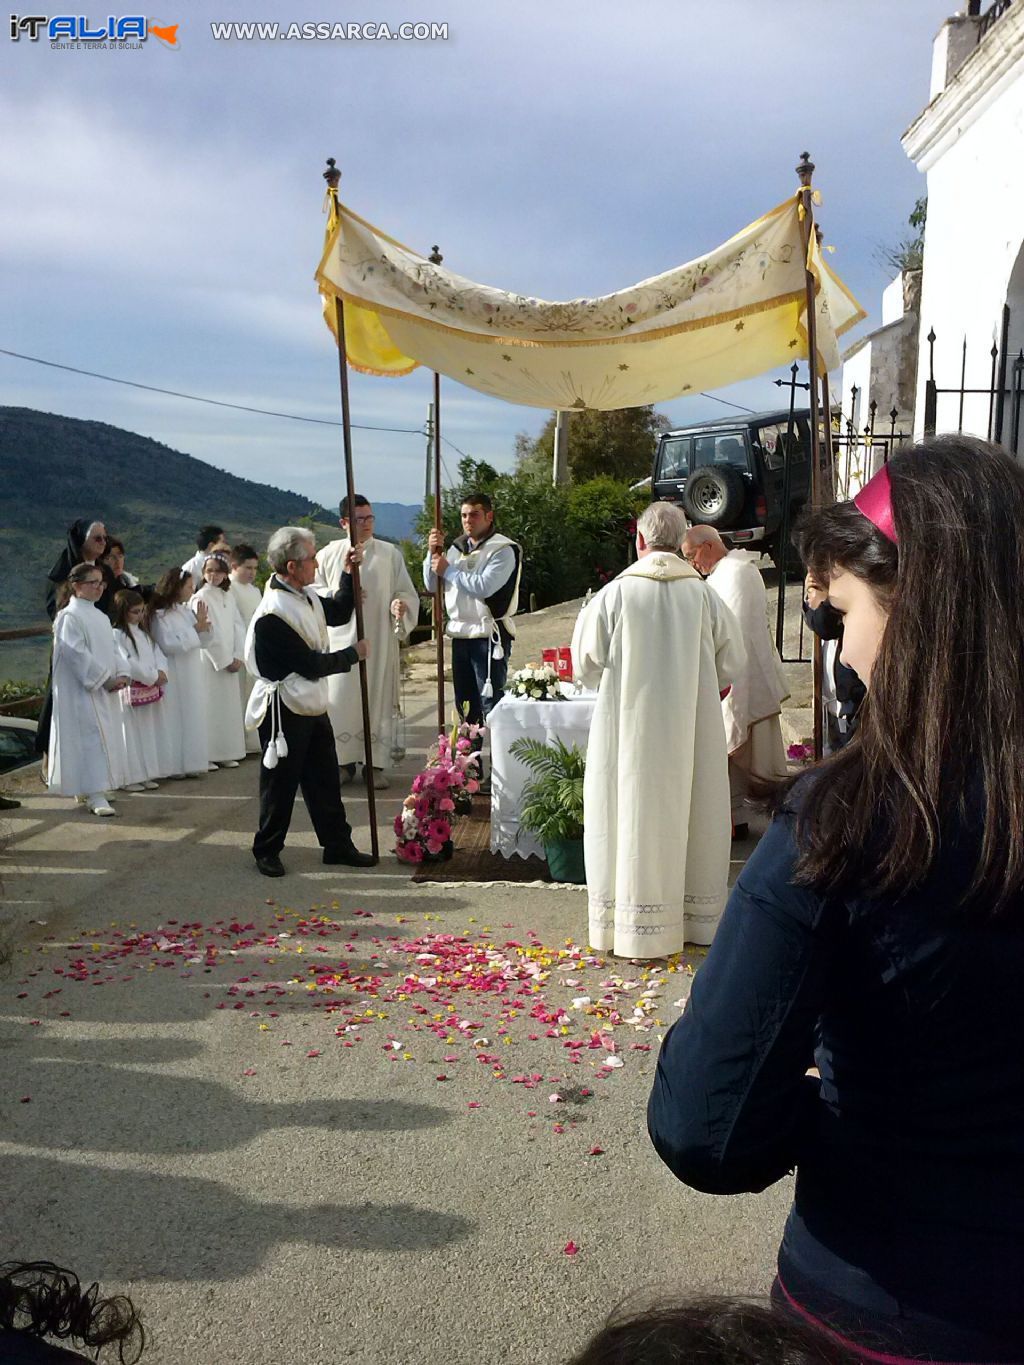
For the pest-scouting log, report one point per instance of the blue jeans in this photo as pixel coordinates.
(469, 673)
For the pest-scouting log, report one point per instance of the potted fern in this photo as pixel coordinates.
(553, 803)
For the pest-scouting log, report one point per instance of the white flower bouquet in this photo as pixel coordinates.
(535, 682)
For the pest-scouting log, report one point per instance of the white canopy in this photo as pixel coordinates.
(736, 312)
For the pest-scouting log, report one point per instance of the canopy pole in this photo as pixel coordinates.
(805, 170)
(436, 258)
(332, 175)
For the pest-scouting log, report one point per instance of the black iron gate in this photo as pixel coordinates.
(1004, 392)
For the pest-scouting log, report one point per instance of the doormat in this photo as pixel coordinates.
(473, 861)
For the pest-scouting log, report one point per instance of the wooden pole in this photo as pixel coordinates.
(805, 171)
(332, 175)
(436, 258)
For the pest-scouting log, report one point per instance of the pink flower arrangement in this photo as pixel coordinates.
(444, 788)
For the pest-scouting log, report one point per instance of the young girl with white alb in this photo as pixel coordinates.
(87, 749)
(222, 650)
(181, 743)
(142, 702)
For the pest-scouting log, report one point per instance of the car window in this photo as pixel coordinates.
(729, 448)
(773, 437)
(17, 747)
(674, 458)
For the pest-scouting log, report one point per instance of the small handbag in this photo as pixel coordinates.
(144, 694)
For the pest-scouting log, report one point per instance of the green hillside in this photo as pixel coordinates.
(55, 469)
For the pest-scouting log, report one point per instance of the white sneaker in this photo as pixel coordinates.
(151, 786)
(134, 787)
(211, 767)
(99, 805)
(228, 763)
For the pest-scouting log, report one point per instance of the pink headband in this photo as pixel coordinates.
(874, 501)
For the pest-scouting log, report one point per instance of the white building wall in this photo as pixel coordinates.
(970, 142)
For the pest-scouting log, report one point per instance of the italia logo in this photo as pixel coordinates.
(78, 28)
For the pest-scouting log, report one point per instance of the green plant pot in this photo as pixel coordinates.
(565, 860)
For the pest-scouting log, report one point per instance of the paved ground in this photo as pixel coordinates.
(313, 1119)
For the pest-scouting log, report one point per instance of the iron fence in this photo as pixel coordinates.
(996, 406)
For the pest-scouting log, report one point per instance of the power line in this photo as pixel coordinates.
(715, 398)
(195, 398)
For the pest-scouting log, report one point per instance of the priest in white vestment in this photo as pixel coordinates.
(753, 708)
(391, 608)
(657, 646)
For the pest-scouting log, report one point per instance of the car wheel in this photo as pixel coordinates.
(715, 496)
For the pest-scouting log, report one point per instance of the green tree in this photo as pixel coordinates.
(618, 444)
(907, 254)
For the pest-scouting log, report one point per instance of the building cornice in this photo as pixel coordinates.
(997, 61)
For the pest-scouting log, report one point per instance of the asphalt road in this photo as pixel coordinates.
(315, 1119)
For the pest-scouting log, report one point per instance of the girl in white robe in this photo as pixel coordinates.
(245, 563)
(222, 650)
(87, 750)
(181, 740)
(143, 660)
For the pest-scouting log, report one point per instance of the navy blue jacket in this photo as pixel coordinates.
(909, 1151)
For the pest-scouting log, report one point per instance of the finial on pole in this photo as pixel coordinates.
(805, 169)
(332, 175)
(435, 257)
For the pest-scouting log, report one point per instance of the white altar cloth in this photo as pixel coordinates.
(515, 718)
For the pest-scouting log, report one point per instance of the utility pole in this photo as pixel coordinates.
(428, 486)
(560, 470)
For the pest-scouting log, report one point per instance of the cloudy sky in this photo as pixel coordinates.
(161, 210)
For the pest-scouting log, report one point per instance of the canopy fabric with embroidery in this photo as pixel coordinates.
(736, 312)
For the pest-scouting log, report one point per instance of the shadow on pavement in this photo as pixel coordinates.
(109, 1109)
(135, 1226)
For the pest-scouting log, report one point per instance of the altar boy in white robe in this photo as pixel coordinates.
(753, 709)
(390, 610)
(657, 646)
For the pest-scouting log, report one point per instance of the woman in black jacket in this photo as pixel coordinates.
(878, 933)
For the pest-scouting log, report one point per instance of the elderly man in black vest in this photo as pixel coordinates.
(288, 653)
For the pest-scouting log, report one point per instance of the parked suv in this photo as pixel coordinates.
(730, 474)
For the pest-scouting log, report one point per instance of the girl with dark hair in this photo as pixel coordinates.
(878, 931)
(710, 1331)
(180, 632)
(86, 542)
(39, 1299)
(141, 702)
(87, 750)
(222, 649)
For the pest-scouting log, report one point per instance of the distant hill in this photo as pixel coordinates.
(55, 469)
